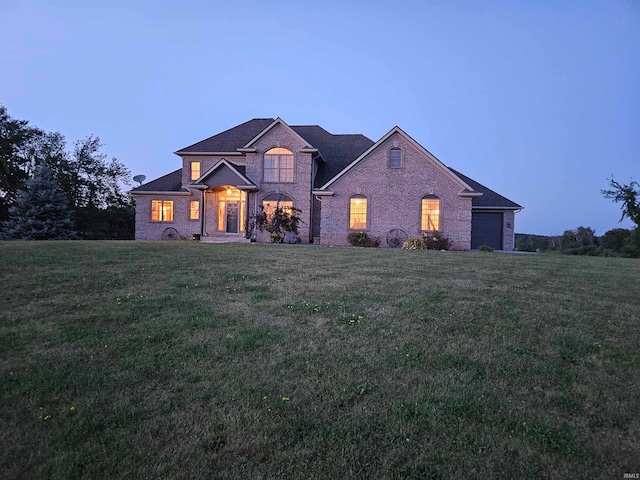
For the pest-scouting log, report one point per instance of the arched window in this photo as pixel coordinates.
(278, 165)
(395, 158)
(430, 213)
(358, 212)
(275, 200)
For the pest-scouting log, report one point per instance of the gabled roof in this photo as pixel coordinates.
(171, 182)
(465, 189)
(277, 121)
(229, 140)
(224, 173)
(337, 151)
(489, 198)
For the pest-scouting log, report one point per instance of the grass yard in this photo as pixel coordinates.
(182, 360)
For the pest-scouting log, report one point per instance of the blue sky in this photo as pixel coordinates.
(539, 101)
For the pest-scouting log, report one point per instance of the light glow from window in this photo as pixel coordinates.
(269, 206)
(162, 211)
(194, 210)
(195, 170)
(231, 195)
(358, 212)
(275, 200)
(278, 165)
(430, 214)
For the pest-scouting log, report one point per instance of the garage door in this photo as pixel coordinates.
(486, 229)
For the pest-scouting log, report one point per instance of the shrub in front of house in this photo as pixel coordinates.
(280, 223)
(362, 239)
(414, 244)
(486, 248)
(436, 241)
(291, 238)
(275, 238)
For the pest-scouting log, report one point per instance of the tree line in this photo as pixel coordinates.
(617, 242)
(51, 190)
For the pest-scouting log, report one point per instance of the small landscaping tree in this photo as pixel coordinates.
(40, 211)
(282, 224)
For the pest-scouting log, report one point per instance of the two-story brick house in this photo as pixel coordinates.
(392, 188)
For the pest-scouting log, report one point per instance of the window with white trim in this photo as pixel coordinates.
(358, 212)
(195, 170)
(395, 158)
(430, 213)
(277, 200)
(278, 165)
(194, 210)
(161, 210)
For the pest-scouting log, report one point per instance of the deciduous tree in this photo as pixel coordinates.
(629, 196)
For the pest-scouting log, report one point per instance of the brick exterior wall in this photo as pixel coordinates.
(206, 162)
(299, 190)
(508, 232)
(148, 230)
(394, 197)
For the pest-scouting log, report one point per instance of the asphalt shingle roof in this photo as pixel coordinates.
(171, 182)
(337, 151)
(489, 198)
(230, 140)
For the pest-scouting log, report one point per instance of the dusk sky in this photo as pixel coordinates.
(539, 100)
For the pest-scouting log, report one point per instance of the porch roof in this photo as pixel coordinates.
(225, 173)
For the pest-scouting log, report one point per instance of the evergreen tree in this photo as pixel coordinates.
(40, 212)
(16, 137)
(92, 184)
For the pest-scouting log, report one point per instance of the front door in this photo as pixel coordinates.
(232, 217)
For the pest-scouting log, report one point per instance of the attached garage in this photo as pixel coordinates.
(486, 229)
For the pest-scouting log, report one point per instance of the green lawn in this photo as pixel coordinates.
(182, 360)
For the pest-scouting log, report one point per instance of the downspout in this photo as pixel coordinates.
(203, 209)
(314, 171)
(255, 214)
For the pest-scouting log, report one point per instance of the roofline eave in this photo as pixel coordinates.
(160, 192)
(515, 209)
(322, 193)
(181, 153)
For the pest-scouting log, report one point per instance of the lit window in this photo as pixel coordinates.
(278, 165)
(194, 210)
(430, 213)
(358, 212)
(228, 199)
(195, 170)
(395, 158)
(161, 211)
(275, 200)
